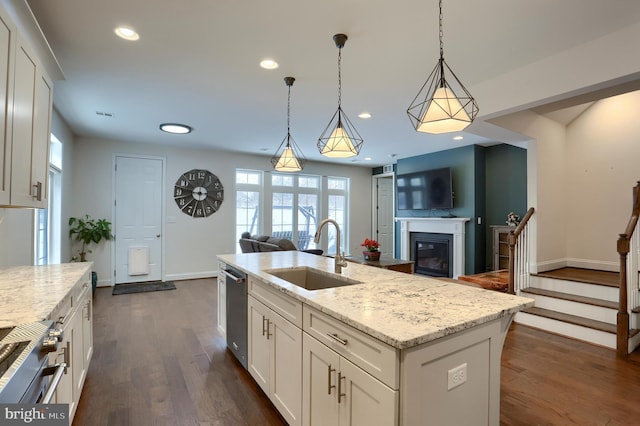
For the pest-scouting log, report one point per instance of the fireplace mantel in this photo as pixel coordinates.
(440, 225)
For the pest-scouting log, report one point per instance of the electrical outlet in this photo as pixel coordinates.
(456, 376)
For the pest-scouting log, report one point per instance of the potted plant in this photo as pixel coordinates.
(372, 252)
(88, 231)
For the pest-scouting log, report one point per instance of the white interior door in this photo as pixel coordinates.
(384, 214)
(138, 219)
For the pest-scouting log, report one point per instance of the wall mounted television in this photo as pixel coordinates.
(425, 190)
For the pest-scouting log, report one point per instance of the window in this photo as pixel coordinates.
(47, 221)
(249, 193)
(290, 206)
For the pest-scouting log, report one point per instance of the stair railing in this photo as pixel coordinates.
(629, 297)
(518, 241)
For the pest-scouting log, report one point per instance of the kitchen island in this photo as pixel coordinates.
(392, 349)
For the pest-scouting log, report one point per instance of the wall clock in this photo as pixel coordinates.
(198, 193)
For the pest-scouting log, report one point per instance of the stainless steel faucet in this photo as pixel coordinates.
(339, 261)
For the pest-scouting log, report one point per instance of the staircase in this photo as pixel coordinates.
(577, 303)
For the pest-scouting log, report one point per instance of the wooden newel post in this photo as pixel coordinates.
(622, 330)
(511, 239)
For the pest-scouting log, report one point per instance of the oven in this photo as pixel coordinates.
(25, 374)
(237, 313)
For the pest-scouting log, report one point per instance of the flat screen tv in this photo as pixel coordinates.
(425, 190)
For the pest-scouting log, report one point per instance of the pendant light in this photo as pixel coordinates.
(343, 139)
(288, 157)
(443, 104)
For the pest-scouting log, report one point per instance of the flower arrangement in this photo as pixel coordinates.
(513, 219)
(371, 245)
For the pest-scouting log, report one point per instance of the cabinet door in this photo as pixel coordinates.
(77, 356)
(366, 400)
(258, 352)
(7, 58)
(64, 391)
(41, 137)
(87, 332)
(222, 306)
(319, 383)
(286, 368)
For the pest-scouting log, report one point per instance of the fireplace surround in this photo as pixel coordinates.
(454, 226)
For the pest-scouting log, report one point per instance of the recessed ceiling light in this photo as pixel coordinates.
(458, 138)
(127, 33)
(364, 115)
(176, 128)
(269, 64)
(367, 158)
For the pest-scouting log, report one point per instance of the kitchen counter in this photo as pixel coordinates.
(31, 293)
(399, 309)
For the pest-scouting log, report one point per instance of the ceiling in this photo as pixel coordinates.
(197, 63)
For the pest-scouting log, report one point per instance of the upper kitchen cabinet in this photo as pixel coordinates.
(26, 96)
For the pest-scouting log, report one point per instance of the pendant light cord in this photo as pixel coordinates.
(339, 77)
(441, 32)
(288, 116)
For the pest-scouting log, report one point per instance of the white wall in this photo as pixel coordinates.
(603, 150)
(191, 244)
(580, 180)
(61, 130)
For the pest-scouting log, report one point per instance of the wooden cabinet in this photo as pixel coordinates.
(74, 315)
(274, 355)
(222, 301)
(25, 121)
(337, 392)
(501, 246)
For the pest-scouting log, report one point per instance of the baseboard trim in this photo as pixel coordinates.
(191, 276)
(597, 265)
(550, 265)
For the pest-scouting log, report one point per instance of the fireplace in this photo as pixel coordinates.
(432, 253)
(454, 226)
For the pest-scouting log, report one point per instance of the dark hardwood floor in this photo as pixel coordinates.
(159, 360)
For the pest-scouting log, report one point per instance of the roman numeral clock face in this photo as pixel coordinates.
(198, 193)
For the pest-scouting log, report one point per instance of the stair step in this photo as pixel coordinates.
(636, 310)
(572, 319)
(571, 297)
(589, 276)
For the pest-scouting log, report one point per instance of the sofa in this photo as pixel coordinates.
(265, 243)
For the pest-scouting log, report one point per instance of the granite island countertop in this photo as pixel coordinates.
(30, 293)
(399, 309)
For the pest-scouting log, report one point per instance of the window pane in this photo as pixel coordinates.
(282, 216)
(282, 180)
(336, 183)
(307, 219)
(309, 181)
(248, 177)
(247, 212)
(336, 211)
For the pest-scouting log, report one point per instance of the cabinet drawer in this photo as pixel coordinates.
(373, 356)
(287, 307)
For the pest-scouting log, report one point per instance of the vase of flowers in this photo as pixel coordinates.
(372, 247)
(513, 219)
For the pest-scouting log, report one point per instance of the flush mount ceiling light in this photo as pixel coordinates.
(127, 33)
(288, 157)
(442, 105)
(343, 139)
(269, 64)
(175, 128)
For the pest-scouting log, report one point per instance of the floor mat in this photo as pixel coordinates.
(142, 287)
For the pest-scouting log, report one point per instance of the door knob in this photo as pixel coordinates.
(158, 236)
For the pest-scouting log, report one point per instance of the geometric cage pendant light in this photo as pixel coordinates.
(340, 139)
(443, 104)
(288, 157)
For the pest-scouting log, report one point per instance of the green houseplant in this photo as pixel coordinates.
(87, 230)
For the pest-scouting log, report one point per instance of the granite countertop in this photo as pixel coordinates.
(30, 293)
(399, 309)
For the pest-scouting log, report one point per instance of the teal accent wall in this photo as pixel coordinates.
(467, 173)
(488, 183)
(506, 189)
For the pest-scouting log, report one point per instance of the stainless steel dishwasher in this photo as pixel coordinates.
(237, 313)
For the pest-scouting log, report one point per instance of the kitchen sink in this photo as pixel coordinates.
(311, 278)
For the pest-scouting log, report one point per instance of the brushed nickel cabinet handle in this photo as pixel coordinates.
(264, 330)
(37, 191)
(269, 334)
(340, 394)
(335, 337)
(329, 385)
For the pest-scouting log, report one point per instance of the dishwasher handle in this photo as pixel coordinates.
(235, 278)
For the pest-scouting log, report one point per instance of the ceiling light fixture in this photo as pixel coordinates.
(458, 138)
(442, 105)
(175, 128)
(269, 64)
(127, 33)
(288, 157)
(364, 115)
(343, 140)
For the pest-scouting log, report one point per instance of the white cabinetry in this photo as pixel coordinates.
(75, 316)
(222, 301)
(25, 121)
(275, 351)
(335, 390)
